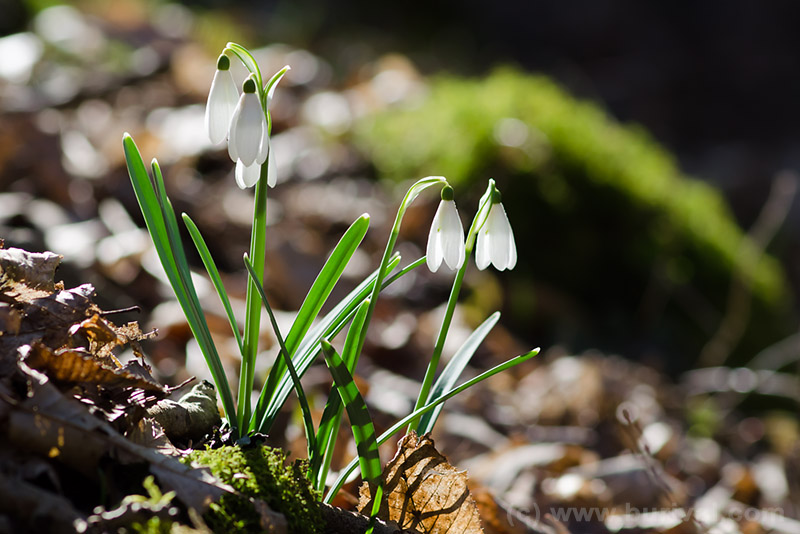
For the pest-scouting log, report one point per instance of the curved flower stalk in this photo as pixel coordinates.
(496, 239)
(446, 238)
(222, 100)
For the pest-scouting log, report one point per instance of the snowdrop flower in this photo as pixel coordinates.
(247, 176)
(446, 238)
(248, 128)
(495, 239)
(222, 99)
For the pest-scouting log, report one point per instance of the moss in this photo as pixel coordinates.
(262, 473)
(590, 199)
(154, 525)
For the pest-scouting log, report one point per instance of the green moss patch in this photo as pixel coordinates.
(600, 210)
(262, 473)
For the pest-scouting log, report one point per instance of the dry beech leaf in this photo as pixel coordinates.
(78, 367)
(424, 492)
(22, 271)
(46, 317)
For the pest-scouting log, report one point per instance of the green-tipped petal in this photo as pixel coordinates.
(248, 126)
(496, 241)
(222, 100)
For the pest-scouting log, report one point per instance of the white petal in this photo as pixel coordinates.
(247, 128)
(512, 249)
(482, 257)
(433, 254)
(222, 100)
(272, 168)
(247, 176)
(263, 148)
(232, 131)
(502, 250)
(451, 235)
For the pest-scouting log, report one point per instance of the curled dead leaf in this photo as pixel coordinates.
(22, 271)
(424, 492)
(72, 366)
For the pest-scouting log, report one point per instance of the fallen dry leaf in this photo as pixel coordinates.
(21, 270)
(424, 492)
(73, 366)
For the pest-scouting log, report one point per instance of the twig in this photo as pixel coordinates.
(737, 313)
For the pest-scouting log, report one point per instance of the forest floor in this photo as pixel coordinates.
(91, 338)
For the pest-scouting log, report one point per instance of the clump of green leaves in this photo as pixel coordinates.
(261, 473)
(243, 121)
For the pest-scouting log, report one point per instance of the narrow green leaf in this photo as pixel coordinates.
(317, 295)
(252, 316)
(332, 414)
(307, 421)
(453, 370)
(344, 473)
(213, 274)
(360, 420)
(195, 316)
(156, 211)
(328, 327)
(146, 197)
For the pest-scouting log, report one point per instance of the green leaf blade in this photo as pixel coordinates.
(453, 370)
(213, 274)
(360, 421)
(332, 414)
(162, 226)
(344, 473)
(320, 290)
(328, 327)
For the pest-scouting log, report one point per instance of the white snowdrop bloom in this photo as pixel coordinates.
(446, 238)
(248, 127)
(248, 175)
(222, 99)
(496, 239)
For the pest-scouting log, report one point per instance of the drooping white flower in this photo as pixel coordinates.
(446, 238)
(222, 99)
(496, 239)
(248, 127)
(248, 175)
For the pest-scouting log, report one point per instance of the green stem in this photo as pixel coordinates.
(433, 364)
(258, 239)
(301, 395)
(412, 193)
